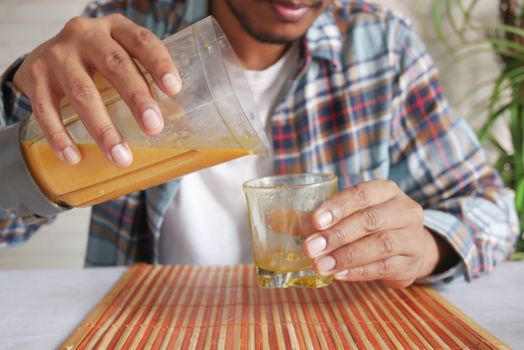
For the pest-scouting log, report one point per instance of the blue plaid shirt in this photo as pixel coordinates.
(366, 103)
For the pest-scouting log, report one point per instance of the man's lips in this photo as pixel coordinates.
(291, 11)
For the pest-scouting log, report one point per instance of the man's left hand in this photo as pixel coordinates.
(372, 231)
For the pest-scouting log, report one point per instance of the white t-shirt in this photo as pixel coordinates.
(207, 222)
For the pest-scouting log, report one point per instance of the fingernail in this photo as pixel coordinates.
(325, 218)
(342, 274)
(316, 245)
(121, 155)
(326, 263)
(172, 83)
(151, 119)
(70, 155)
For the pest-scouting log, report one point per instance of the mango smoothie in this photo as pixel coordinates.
(95, 180)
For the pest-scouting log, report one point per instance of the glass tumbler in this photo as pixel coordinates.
(279, 216)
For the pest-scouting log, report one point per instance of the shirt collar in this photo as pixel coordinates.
(323, 40)
(195, 10)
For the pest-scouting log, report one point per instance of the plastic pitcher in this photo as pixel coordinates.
(212, 120)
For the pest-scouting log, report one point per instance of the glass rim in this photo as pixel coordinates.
(258, 183)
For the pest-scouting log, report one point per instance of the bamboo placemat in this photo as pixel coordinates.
(191, 307)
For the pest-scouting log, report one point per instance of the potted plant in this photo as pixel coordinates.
(464, 37)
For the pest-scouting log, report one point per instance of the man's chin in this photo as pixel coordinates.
(270, 38)
(282, 32)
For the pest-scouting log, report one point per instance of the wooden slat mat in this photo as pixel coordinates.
(190, 307)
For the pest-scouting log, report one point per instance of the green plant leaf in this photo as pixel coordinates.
(519, 195)
(468, 53)
(492, 118)
(501, 29)
(516, 138)
(508, 29)
(455, 49)
(510, 74)
(477, 105)
(502, 45)
(451, 18)
(468, 12)
(503, 153)
(496, 94)
(436, 13)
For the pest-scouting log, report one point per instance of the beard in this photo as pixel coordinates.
(261, 35)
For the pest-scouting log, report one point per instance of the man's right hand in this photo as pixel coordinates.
(64, 67)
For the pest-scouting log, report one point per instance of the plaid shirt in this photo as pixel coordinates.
(366, 103)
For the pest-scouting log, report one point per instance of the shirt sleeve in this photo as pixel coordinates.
(107, 7)
(438, 161)
(14, 106)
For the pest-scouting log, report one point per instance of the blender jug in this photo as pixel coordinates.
(212, 120)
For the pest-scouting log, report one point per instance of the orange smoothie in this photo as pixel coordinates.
(95, 180)
(292, 267)
(280, 261)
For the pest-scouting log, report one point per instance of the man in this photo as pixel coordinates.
(345, 87)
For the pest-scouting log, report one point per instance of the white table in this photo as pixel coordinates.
(39, 309)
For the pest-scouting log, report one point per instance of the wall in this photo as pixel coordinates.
(26, 23)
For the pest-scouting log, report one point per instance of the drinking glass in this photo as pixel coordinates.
(279, 216)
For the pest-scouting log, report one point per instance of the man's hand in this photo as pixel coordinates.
(372, 231)
(64, 67)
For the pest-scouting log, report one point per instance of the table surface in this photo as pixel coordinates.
(27, 298)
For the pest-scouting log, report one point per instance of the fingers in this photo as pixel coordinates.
(85, 99)
(388, 270)
(377, 270)
(368, 250)
(391, 215)
(115, 64)
(373, 224)
(352, 200)
(150, 51)
(46, 110)
(414, 258)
